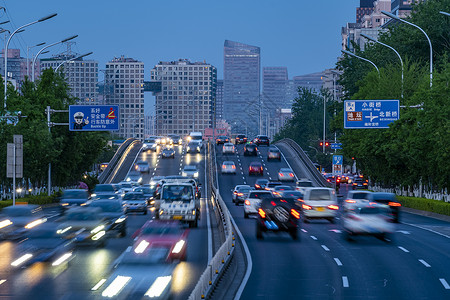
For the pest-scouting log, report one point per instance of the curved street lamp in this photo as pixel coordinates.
(444, 13)
(72, 59)
(376, 41)
(7, 44)
(28, 50)
(431, 47)
(40, 51)
(362, 58)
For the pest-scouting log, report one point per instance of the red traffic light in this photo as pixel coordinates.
(327, 144)
(321, 144)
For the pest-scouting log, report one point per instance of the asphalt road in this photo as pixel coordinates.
(322, 265)
(90, 265)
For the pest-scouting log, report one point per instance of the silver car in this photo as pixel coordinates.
(228, 167)
(286, 174)
(190, 171)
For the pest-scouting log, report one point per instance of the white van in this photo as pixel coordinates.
(196, 137)
(319, 203)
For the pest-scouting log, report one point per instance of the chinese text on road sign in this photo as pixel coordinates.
(361, 114)
(93, 117)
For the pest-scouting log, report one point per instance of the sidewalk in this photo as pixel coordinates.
(426, 214)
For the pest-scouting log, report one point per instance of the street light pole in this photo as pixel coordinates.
(362, 58)
(28, 50)
(72, 59)
(396, 52)
(7, 44)
(429, 42)
(445, 13)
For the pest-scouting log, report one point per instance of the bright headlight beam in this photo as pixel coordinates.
(178, 246)
(97, 229)
(35, 223)
(158, 286)
(61, 231)
(116, 286)
(2, 281)
(142, 246)
(98, 285)
(5, 223)
(21, 260)
(120, 220)
(98, 235)
(62, 259)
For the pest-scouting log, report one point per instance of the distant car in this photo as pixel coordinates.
(150, 145)
(74, 197)
(273, 153)
(256, 168)
(125, 187)
(190, 171)
(228, 167)
(103, 166)
(134, 176)
(262, 140)
(250, 149)
(270, 186)
(142, 166)
(176, 139)
(222, 140)
(135, 202)
(281, 188)
(105, 189)
(252, 202)
(367, 218)
(228, 148)
(168, 153)
(278, 215)
(391, 200)
(240, 139)
(148, 191)
(16, 220)
(260, 184)
(240, 193)
(303, 184)
(286, 174)
(355, 196)
(360, 183)
(319, 203)
(193, 147)
(114, 214)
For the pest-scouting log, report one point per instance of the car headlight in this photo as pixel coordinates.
(5, 223)
(97, 229)
(158, 287)
(35, 223)
(140, 180)
(98, 235)
(178, 246)
(128, 179)
(93, 195)
(188, 148)
(183, 174)
(21, 260)
(121, 219)
(196, 174)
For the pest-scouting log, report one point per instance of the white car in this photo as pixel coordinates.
(253, 201)
(367, 218)
(356, 196)
(319, 203)
(125, 187)
(228, 167)
(228, 148)
(238, 192)
(142, 166)
(286, 174)
(190, 171)
(303, 184)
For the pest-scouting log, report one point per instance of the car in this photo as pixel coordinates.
(222, 139)
(134, 176)
(260, 184)
(277, 190)
(142, 166)
(16, 220)
(84, 224)
(171, 233)
(294, 195)
(367, 218)
(252, 202)
(360, 183)
(105, 189)
(388, 199)
(250, 149)
(228, 148)
(262, 140)
(125, 187)
(240, 139)
(354, 196)
(319, 203)
(193, 147)
(43, 244)
(303, 184)
(228, 167)
(148, 191)
(168, 153)
(344, 178)
(256, 168)
(116, 197)
(273, 154)
(103, 166)
(240, 193)
(270, 186)
(286, 174)
(114, 213)
(135, 202)
(278, 215)
(74, 197)
(150, 144)
(190, 171)
(176, 139)
(333, 179)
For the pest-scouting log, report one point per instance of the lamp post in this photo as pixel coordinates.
(444, 13)
(9, 39)
(431, 47)
(28, 50)
(396, 52)
(362, 58)
(324, 114)
(72, 59)
(40, 51)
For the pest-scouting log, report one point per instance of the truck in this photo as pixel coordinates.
(196, 137)
(179, 201)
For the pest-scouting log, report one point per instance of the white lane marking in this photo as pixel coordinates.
(402, 231)
(338, 262)
(425, 263)
(243, 177)
(403, 249)
(345, 281)
(444, 283)
(335, 230)
(325, 248)
(208, 221)
(2, 281)
(266, 169)
(245, 182)
(303, 230)
(430, 230)
(270, 178)
(314, 238)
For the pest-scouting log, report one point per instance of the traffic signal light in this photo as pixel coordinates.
(327, 143)
(321, 144)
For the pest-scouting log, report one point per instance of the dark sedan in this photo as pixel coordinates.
(256, 168)
(261, 184)
(240, 139)
(273, 154)
(262, 140)
(168, 153)
(114, 214)
(388, 199)
(250, 149)
(222, 140)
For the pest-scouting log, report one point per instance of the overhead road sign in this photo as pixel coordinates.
(375, 114)
(93, 117)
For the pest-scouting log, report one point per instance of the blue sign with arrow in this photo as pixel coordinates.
(375, 114)
(336, 146)
(93, 117)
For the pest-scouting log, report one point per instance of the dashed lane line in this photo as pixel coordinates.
(325, 248)
(403, 249)
(444, 283)
(313, 237)
(345, 281)
(303, 230)
(338, 262)
(425, 263)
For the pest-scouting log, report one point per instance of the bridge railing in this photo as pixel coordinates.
(113, 163)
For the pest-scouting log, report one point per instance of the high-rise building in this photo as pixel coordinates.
(17, 66)
(366, 7)
(275, 82)
(402, 8)
(219, 100)
(311, 81)
(81, 75)
(241, 86)
(125, 76)
(185, 101)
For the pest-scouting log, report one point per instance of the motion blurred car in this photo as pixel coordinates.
(115, 197)
(135, 202)
(222, 140)
(150, 145)
(360, 183)
(240, 193)
(319, 203)
(357, 196)
(255, 168)
(252, 202)
(85, 225)
(260, 184)
(228, 148)
(303, 184)
(278, 215)
(273, 153)
(262, 140)
(294, 195)
(43, 244)
(168, 153)
(114, 213)
(193, 147)
(134, 176)
(228, 167)
(104, 189)
(17, 220)
(270, 186)
(276, 192)
(176, 139)
(240, 139)
(367, 218)
(250, 149)
(286, 174)
(125, 187)
(74, 197)
(190, 171)
(391, 200)
(148, 190)
(142, 166)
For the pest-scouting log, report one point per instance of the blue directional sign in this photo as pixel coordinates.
(362, 114)
(336, 145)
(93, 117)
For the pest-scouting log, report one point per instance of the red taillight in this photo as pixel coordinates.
(234, 192)
(295, 213)
(290, 174)
(266, 189)
(282, 200)
(233, 167)
(333, 207)
(273, 203)
(307, 207)
(281, 174)
(350, 201)
(257, 186)
(262, 213)
(394, 204)
(246, 202)
(328, 180)
(240, 194)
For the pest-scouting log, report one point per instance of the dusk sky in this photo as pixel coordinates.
(304, 36)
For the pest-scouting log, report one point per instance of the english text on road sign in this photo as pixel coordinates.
(93, 117)
(336, 146)
(361, 114)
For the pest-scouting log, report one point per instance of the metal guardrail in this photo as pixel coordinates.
(113, 162)
(132, 149)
